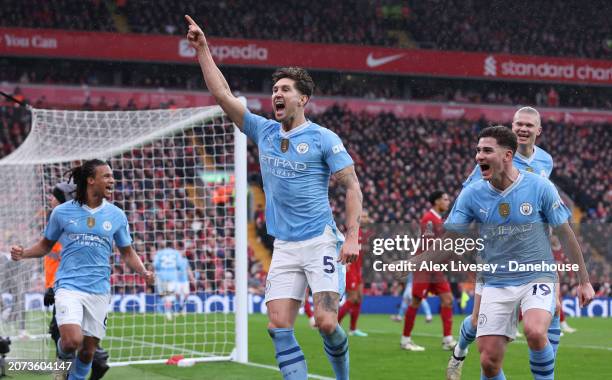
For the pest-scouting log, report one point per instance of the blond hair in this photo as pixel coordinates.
(530, 111)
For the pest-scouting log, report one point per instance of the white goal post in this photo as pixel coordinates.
(181, 179)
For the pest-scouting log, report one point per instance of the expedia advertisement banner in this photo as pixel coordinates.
(264, 53)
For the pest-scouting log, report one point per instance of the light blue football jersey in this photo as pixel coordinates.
(296, 175)
(513, 224)
(87, 237)
(540, 163)
(166, 264)
(183, 270)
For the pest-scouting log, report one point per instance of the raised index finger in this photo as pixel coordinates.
(190, 20)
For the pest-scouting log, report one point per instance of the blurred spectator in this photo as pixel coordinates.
(398, 161)
(568, 28)
(252, 80)
(57, 14)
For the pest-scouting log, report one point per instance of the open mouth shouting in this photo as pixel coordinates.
(279, 107)
(485, 170)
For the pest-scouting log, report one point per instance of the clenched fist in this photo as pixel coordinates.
(17, 252)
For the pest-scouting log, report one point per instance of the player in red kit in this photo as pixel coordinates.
(431, 282)
(560, 258)
(308, 310)
(354, 286)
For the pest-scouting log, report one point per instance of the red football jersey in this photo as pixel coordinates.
(432, 224)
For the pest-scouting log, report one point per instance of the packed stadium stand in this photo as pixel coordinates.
(61, 14)
(327, 84)
(406, 85)
(398, 161)
(476, 25)
(388, 150)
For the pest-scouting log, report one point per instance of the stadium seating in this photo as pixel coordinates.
(554, 28)
(67, 72)
(398, 161)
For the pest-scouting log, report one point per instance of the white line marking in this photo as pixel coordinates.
(310, 375)
(158, 345)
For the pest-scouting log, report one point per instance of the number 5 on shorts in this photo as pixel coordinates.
(328, 262)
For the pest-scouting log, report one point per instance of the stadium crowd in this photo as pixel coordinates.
(90, 15)
(568, 28)
(399, 161)
(160, 76)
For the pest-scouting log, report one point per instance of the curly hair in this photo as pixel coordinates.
(79, 175)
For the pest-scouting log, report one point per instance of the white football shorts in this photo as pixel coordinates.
(312, 262)
(165, 287)
(499, 307)
(182, 288)
(84, 309)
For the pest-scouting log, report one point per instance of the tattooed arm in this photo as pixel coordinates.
(353, 204)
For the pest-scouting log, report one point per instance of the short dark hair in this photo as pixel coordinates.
(303, 82)
(433, 197)
(502, 135)
(79, 175)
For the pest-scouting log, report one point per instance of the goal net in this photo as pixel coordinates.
(180, 176)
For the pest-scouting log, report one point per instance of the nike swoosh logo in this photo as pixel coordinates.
(375, 62)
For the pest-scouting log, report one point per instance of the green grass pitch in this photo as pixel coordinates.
(585, 354)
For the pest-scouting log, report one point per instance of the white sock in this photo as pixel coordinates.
(459, 353)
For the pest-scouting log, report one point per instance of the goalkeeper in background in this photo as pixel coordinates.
(63, 192)
(86, 227)
(297, 158)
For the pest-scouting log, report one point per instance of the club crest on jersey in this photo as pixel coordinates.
(302, 148)
(526, 208)
(91, 222)
(107, 226)
(504, 209)
(284, 145)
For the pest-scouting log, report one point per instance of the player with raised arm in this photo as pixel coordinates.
(435, 282)
(514, 209)
(297, 158)
(86, 227)
(527, 126)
